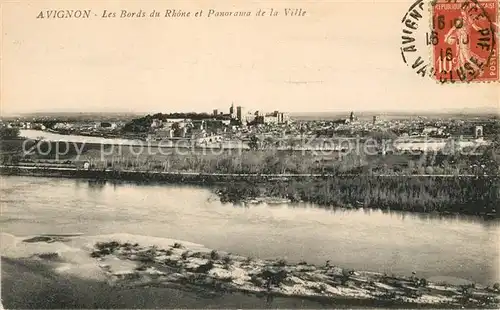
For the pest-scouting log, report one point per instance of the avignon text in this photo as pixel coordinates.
(64, 14)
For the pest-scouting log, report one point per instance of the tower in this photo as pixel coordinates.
(478, 132)
(351, 117)
(232, 112)
(240, 113)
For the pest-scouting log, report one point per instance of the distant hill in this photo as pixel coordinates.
(468, 112)
(82, 116)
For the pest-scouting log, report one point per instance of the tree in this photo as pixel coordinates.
(254, 143)
(411, 166)
(268, 142)
(9, 133)
(438, 170)
(490, 161)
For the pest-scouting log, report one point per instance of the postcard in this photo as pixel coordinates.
(249, 154)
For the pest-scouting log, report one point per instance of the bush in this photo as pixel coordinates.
(274, 277)
(346, 274)
(496, 287)
(177, 245)
(105, 248)
(147, 256)
(199, 255)
(111, 245)
(9, 133)
(214, 255)
(205, 267)
(128, 246)
(227, 259)
(96, 254)
(49, 256)
(255, 280)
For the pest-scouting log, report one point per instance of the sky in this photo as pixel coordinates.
(340, 56)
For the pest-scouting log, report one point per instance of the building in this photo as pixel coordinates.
(206, 139)
(240, 114)
(165, 133)
(199, 124)
(272, 118)
(181, 122)
(232, 112)
(478, 132)
(216, 112)
(266, 119)
(283, 118)
(156, 123)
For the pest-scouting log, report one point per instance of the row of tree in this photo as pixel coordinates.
(9, 133)
(463, 195)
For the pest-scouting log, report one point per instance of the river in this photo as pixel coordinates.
(51, 136)
(399, 243)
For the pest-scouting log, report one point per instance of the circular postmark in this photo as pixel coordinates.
(461, 40)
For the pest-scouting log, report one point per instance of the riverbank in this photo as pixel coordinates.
(467, 194)
(128, 271)
(423, 194)
(32, 284)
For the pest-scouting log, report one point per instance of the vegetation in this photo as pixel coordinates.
(177, 245)
(9, 133)
(205, 267)
(49, 256)
(143, 124)
(214, 255)
(273, 161)
(105, 248)
(271, 278)
(466, 195)
(349, 180)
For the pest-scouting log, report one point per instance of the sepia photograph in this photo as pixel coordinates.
(244, 154)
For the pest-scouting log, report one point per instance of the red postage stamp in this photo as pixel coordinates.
(464, 39)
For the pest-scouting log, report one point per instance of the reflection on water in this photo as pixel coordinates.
(392, 242)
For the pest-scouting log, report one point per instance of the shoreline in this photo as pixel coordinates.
(410, 193)
(123, 262)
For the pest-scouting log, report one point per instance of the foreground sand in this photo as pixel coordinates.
(129, 271)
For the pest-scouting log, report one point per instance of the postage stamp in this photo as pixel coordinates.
(464, 40)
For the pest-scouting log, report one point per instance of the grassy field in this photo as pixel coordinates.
(236, 161)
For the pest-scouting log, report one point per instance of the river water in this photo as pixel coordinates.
(51, 136)
(398, 243)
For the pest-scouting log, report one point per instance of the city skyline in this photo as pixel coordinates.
(479, 110)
